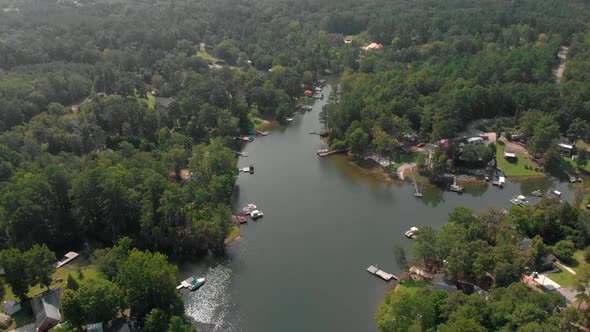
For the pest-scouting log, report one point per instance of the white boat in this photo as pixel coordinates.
(196, 283)
(256, 214)
(288, 119)
(249, 208)
(412, 232)
(519, 200)
(556, 193)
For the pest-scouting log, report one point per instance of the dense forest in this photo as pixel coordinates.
(118, 122)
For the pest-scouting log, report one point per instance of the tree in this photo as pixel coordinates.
(177, 324)
(149, 281)
(545, 135)
(358, 141)
(579, 128)
(41, 261)
(581, 158)
(71, 283)
(399, 253)
(16, 265)
(564, 250)
(538, 251)
(403, 309)
(582, 284)
(96, 300)
(156, 321)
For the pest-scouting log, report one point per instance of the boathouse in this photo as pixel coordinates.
(567, 150)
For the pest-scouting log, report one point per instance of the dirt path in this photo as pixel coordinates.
(405, 170)
(569, 269)
(558, 72)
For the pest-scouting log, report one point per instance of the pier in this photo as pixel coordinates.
(417, 192)
(381, 274)
(325, 153)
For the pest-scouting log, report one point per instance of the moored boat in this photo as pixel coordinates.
(196, 283)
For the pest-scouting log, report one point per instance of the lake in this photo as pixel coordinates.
(302, 267)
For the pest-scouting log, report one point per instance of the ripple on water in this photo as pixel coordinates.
(210, 305)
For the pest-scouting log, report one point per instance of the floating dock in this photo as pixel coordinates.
(239, 218)
(70, 256)
(185, 283)
(325, 153)
(381, 274)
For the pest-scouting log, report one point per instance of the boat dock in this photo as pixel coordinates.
(185, 283)
(381, 274)
(417, 192)
(70, 256)
(325, 153)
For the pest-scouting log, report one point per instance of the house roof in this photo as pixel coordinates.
(10, 307)
(565, 146)
(47, 306)
(439, 282)
(165, 102)
(510, 154)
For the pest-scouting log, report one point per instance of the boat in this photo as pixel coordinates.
(556, 193)
(249, 208)
(255, 214)
(537, 193)
(456, 188)
(306, 108)
(289, 119)
(519, 200)
(196, 283)
(412, 232)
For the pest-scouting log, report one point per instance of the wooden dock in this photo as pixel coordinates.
(331, 152)
(417, 192)
(185, 283)
(381, 274)
(70, 256)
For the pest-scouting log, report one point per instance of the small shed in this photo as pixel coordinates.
(10, 307)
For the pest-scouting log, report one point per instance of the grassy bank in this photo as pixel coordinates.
(563, 278)
(521, 168)
(234, 234)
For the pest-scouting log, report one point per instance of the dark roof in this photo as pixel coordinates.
(439, 282)
(525, 244)
(47, 306)
(165, 102)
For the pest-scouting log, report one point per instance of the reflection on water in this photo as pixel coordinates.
(210, 304)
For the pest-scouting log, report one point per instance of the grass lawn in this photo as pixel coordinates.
(206, 56)
(517, 168)
(25, 316)
(563, 278)
(235, 232)
(87, 272)
(413, 286)
(151, 101)
(572, 167)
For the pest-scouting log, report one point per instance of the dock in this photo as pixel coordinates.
(70, 256)
(325, 153)
(185, 283)
(381, 274)
(263, 133)
(239, 218)
(417, 192)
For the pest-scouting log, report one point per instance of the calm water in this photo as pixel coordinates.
(302, 266)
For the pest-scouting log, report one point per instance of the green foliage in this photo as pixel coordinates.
(177, 324)
(147, 279)
(564, 250)
(96, 300)
(29, 268)
(156, 321)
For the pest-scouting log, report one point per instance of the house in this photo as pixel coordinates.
(475, 140)
(10, 307)
(165, 102)
(46, 309)
(372, 46)
(440, 282)
(510, 156)
(567, 150)
(546, 261)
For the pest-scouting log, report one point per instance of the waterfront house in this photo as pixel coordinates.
(566, 150)
(546, 261)
(46, 309)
